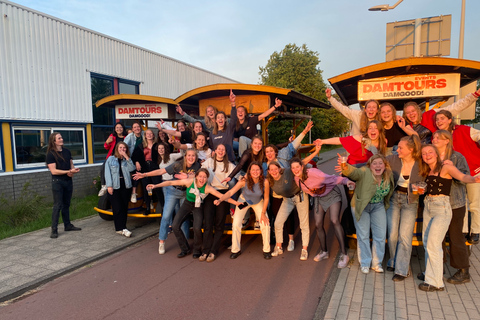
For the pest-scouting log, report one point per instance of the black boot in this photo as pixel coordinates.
(474, 238)
(461, 276)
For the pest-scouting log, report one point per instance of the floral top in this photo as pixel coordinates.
(382, 191)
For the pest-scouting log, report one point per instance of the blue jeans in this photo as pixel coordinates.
(173, 200)
(373, 217)
(62, 195)
(437, 215)
(400, 223)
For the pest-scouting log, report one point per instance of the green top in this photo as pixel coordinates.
(366, 188)
(382, 190)
(190, 196)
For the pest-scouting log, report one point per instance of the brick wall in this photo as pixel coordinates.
(11, 185)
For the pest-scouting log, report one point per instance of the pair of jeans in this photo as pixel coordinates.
(400, 224)
(373, 217)
(237, 225)
(214, 217)
(119, 200)
(437, 215)
(473, 194)
(173, 200)
(182, 214)
(62, 195)
(286, 209)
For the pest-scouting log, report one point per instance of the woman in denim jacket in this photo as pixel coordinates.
(403, 208)
(119, 184)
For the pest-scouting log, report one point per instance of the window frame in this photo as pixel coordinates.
(51, 128)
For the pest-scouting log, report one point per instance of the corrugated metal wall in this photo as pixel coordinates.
(45, 66)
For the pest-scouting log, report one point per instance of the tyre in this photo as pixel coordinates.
(104, 204)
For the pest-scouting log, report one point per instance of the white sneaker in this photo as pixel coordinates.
(102, 191)
(277, 251)
(257, 226)
(291, 245)
(322, 255)
(161, 248)
(365, 270)
(151, 205)
(127, 233)
(133, 198)
(343, 261)
(378, 269)
(304, 255)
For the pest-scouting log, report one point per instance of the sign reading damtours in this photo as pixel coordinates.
(411, 86)
(141, 111)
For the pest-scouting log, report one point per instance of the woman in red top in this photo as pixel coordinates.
(362, 147)
(118, 134)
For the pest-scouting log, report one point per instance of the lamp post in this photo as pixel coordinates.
(385, 7)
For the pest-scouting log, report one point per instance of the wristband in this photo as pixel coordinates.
(476, 95)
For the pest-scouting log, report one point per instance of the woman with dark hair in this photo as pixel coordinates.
(359, 118)
(214, 216)
(146, 154)
(133, 141)
(466, 141)
(165, 158)
(162, 137)
(60, 163)
(394, 126)
(254, 195)
(413, 115)
(374, 187)
(119, 133)
(182, 133)
(362, 146)
(403, 208)
(437, 213)
(443, 141)
(246, 126)
(197, 189)
(282, 182)
(117, 176)
(200, 144)
(327, 196)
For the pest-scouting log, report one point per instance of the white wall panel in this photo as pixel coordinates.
(45, 66)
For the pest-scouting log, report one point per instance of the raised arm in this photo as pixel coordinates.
(462, 104)
(455, 173)
(407, 129)
(278, 103)
(318, 147)
(346, 111)
(186, 183)
(334, 141)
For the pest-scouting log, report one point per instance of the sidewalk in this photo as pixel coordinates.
(355, 295)
(32, 259)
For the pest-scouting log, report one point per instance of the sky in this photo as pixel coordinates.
(234, 38)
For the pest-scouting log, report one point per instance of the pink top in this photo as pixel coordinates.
(317, 178)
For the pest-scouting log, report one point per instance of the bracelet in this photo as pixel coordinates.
(476, 95)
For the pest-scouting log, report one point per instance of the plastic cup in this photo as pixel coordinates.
(343, 160)
(415, 188)
(351, 189)
(421, 187)
(150, 191)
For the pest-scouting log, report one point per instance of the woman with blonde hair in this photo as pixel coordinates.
(374, 187)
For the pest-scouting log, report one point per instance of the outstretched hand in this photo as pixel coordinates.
(328, 93)
(278, 103)
(232, 97)
(179, 110)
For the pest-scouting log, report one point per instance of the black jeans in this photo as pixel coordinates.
(119, 200)
(62, 195)
(182, 214)
(214, 220)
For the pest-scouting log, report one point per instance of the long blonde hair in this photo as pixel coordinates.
(364, 121)
(387, 173)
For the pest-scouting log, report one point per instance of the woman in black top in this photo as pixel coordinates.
(60, 163)
(394, 126)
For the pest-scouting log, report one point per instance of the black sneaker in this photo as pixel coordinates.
(72, 228)
(474, 238)
(54, 234)
(421, 276)
(267, 255)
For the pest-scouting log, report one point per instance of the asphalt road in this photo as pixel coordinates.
(138, 283)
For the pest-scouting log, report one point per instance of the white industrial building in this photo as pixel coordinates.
(51, 74)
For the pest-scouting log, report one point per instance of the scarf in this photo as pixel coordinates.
(198, 196)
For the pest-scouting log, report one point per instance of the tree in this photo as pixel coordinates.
(297, 68)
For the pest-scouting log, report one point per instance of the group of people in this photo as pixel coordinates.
(396, 165)
(403, 165)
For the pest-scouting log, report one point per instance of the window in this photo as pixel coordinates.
(104, 118)
(31, 143)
